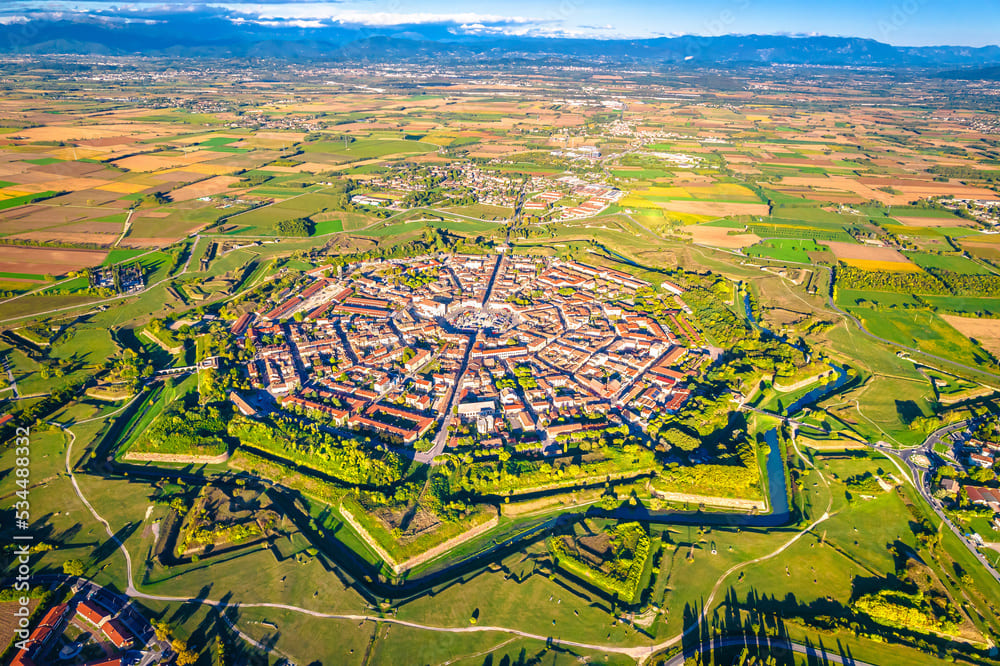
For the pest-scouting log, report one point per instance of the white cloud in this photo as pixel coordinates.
(310, 14)
(533, 29)
(312, 11)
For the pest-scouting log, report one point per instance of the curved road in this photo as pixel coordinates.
(777, 646)
(920, 481)
(197, 237)
(848, 315)
(641, 654)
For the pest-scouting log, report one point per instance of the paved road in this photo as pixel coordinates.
(153, 649)
(640, 653)
(773, 647)
(442, 437)
(855, 320)
(921, 482)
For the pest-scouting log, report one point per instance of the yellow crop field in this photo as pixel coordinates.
(122, 188)
(687, 218)
(731, 190)
(439, 138)
(210, 169)
(876, 265)
(635, 201)
(672, 192)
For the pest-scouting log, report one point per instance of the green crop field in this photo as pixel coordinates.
(24, 276)
(261, 221)
(965, 304)
(845, 147)
(917, 211)
(948, 262)
(781, 228)
(119, 255)
(13, 202)
(369, 148)
(217, 141)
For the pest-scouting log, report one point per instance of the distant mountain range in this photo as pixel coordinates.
(200, 36)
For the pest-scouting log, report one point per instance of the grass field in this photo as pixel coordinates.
(786, 249)
(925, 331)
(916, 211)
(44, 161)
(790, 228)
(873, 407)
(643, 173)
(24, 276)
(119, 255)
(261, 221)
(948, 262)
(327, 227)
(33, 304)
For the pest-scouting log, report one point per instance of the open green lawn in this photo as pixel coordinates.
(882, 406)
(29, 305)
(640, 174)
(482, 211)
(785, 249)
(327, 227)
(530, 605)
(884, 299)
(57, 515)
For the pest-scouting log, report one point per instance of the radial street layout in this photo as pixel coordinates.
(412, 347)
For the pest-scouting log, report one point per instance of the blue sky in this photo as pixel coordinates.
(900, 22)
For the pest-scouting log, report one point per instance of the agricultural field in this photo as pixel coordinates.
(467, 367)
(948, 262)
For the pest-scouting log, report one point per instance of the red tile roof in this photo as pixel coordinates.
(117, 633)
(91, 612)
